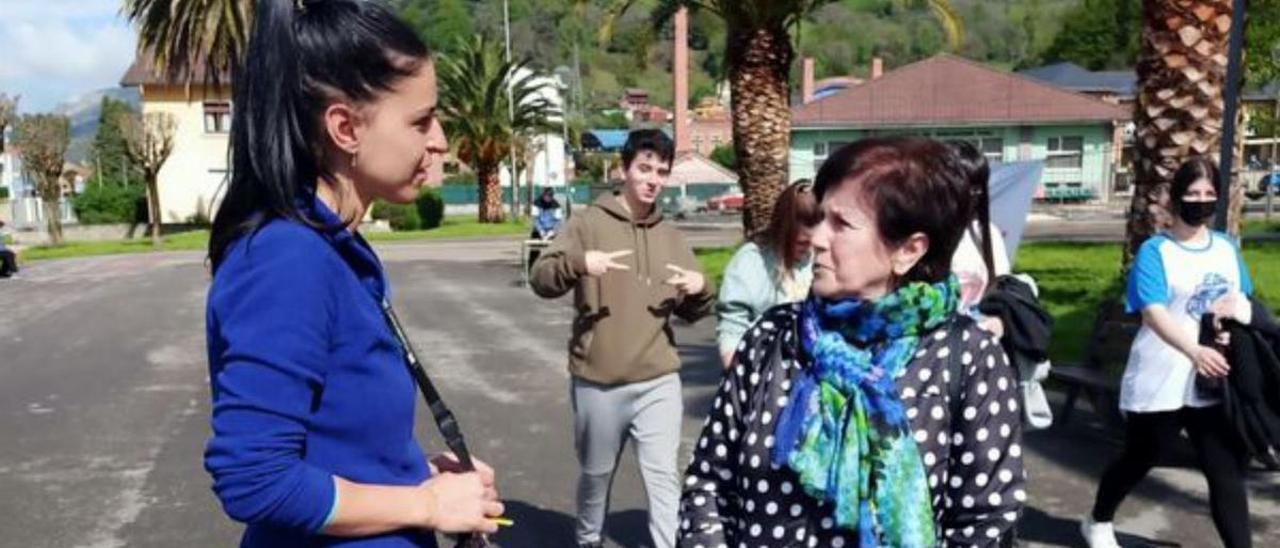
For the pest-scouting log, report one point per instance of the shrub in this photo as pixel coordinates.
(461, 179)
(430, 208)
(109, 204)
(4, 193)
(401, 217)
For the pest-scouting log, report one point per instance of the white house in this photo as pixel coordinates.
(548, 166)
(192, 179)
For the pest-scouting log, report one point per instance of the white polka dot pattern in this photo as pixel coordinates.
(735, 496)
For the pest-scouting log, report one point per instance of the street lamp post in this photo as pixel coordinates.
(511, 111)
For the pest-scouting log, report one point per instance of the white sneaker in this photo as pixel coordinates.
(1098, 535)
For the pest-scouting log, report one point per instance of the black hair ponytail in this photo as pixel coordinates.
(301, 56)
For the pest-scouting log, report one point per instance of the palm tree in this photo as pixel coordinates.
(758, 57)
(1182, 74)
(192, 40)
(473, 107)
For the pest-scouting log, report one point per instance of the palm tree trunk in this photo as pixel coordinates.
(759, 62)
(1182, 73)
(490, 194)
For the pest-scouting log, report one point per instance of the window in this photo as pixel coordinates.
(992, 148)
(1065, 152)
(217, 117)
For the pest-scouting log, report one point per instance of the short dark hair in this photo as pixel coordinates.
(300, 56)
(652, 140)
(913, 185)
(1192, 170)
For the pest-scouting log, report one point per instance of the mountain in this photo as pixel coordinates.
(84, 112)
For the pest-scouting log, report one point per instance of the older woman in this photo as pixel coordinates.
(871, 413)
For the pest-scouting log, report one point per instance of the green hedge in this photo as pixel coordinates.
(4, 192)
(430, 205)
(399, 216)
(110, 204)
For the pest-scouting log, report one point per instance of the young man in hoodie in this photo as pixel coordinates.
(629, 271)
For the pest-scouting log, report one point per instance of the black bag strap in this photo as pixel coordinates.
(955, 364)
(443, 416)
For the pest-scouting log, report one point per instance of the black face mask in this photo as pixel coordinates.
(1197, 213)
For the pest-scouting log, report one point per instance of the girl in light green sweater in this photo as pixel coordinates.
(774, 268)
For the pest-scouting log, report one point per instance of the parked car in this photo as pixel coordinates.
(731, 201)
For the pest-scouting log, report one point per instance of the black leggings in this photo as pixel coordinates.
(8, 264)
(1149, 435)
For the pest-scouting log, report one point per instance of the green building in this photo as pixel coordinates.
(1010, 117)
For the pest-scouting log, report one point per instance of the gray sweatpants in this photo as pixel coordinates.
(604, 417)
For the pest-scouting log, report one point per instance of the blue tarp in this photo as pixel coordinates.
(1013, 187)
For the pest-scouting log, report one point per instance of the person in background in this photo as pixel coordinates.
(629, 271)
(546, 221)
(981, 256)
(873, 413)
(8, 259)
(1178, 276)
(774, 268)
(312, 402)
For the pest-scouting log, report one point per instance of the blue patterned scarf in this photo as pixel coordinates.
(845, 433)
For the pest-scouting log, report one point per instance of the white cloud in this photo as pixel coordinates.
(57, 49)
(32, 10)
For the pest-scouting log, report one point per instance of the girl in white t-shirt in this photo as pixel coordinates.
(1178, 276)
(981, 256)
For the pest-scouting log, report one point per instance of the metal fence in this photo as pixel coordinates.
(28, 213)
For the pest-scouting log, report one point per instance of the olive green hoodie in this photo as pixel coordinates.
(620, 329)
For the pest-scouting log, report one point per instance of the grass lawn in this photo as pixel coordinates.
(1073, 279)
(461, 226)
(184, 241)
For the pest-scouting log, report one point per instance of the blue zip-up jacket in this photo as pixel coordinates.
(308, 383)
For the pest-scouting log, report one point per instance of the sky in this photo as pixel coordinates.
(53, 51)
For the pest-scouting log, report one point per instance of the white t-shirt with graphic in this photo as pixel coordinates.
(1186, 278)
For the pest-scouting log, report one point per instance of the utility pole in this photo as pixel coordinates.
(511, 112)
(1235, 45)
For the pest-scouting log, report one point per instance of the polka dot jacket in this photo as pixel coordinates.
(734, 497)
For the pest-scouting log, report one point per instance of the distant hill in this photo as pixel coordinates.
(84, 112)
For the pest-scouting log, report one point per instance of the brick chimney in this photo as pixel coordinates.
(681, 73)
(806, 82)
(877, 68)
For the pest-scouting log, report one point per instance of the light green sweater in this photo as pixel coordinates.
(751, 286)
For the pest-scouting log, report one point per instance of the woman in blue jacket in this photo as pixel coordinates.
(313, 405)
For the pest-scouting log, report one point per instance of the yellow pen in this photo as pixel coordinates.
(502, 522)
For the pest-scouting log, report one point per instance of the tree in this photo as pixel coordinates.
(440, 23)
(8, 114)
(110, 152)
(192, 40)
(43, 140)
(149, 140)
(1182, 75)
(474, 84)
(1098, 34)
(723, 155)
(758, 57)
